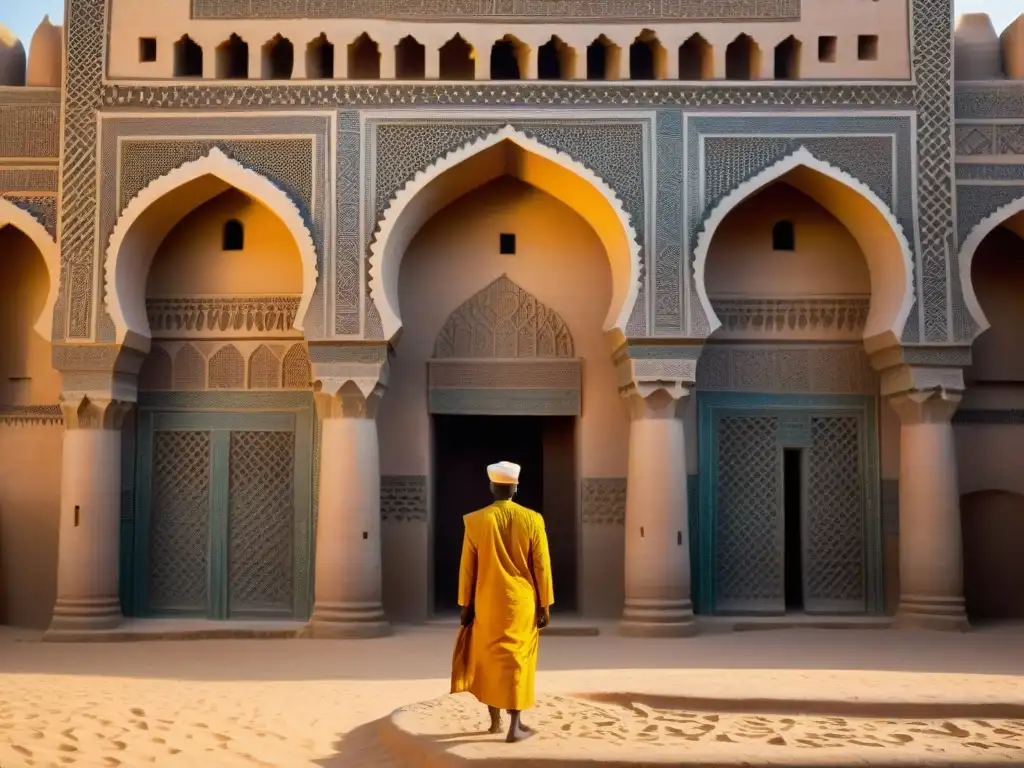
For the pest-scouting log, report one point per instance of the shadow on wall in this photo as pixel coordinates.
(993, 529)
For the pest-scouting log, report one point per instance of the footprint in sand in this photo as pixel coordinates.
(22, 750)
(137, 712)
(67, 747)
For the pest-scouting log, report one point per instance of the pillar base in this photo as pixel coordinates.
(345, 621)
(86, 615)
(658, 618)
(946, 614)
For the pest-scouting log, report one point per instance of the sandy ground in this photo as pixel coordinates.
(313, 703)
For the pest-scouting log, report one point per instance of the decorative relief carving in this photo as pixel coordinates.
(30, 415)
(227, 369)
(503, 321)
(214, 365)
(298, 373)
(976, 202)
(932, 59)
(824, 370)
(505, 402)
(42, 207)
(840, 318)
(27, 130)
(669, 316)
(206, 317)
(505, 374)
(14, 180)
(348, 285)
(990, 139)
(403, 498)
(604, 500)
(989, 101)
(520, 93)
(501, 10)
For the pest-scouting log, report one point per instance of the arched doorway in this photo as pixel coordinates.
(212, 267)
(989, 434)
(30, 430)
(503, 249)
(798, 270)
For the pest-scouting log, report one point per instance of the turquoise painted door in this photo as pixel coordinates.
(742, 551)
(223, 519)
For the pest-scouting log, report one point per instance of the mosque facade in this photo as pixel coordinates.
(737, 284)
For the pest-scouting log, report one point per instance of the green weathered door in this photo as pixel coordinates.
(223, 514)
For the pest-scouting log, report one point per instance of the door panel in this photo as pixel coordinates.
(261, 515)
(179, 522)
(834, 513)
(749, 516)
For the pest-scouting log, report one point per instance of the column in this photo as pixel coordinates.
(348, 588)
(657, 556)
(88, 559)
(931, 552)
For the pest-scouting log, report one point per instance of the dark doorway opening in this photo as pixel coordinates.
(545, 448)
(793, 493)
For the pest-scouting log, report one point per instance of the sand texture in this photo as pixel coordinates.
(303, 703)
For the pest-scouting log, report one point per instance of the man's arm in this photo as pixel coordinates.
(541, 565)
(467, 572)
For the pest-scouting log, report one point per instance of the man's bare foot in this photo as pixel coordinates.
(496, 724)
(517, 731)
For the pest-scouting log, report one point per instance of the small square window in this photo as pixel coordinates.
(827, 47)
(507, 244)
(867, 47)
(147, 49)
(784, 236)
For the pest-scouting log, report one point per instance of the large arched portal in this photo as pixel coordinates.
(507, 269)
(989, 436)
(797, 270)
(212, 268)
(30, 435)
(506, 152)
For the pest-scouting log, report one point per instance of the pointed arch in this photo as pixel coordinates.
(854, 204)
(149, 217)
(28, 225)
(426, 193)
(971, 244)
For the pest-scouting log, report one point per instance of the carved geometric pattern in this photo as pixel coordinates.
(603, 500)
(85, 35)
(403, 498)
(826, 369)
(28, 180)
(29, 131)
(525, 373)
(178, 520)
(933, 66)
(748, 514)
(156, 371)
(834, 567)
(298, 373)
(975, 139)
(668, 306)
(189, 369)
(206, 317)
(503, 321)
(989, 101)
(976, 202)
(461, 10)
(347, 281)
(1010, 139)
(832, 317)
(227, 369)
(261, 521)
(264, 369)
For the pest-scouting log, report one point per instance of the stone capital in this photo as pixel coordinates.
(921, 368)
(84, 412)
(655, 399)
(349, 378)
(98, 371)
(934, 406)
(654, 378)
(348, 398)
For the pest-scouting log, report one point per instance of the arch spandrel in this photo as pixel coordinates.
(504, 321)
(885, 245)
(22, 220)
(141, 228)
(433, 188)
(970, 246)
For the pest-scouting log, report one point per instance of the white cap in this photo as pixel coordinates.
(504, 473)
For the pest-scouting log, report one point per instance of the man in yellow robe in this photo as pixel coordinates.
(506, 593)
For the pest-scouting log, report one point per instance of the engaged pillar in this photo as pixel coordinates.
(931, 550)
(657, 556)
(348, 588)
(90, 517)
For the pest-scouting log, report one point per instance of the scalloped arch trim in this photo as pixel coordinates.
(126, 271)
(386, 257)
(894, 320)
(972, 242)
(29, 225)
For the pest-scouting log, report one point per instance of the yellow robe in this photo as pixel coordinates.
(505, 574)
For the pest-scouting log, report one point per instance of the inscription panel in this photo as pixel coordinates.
(500, 10)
